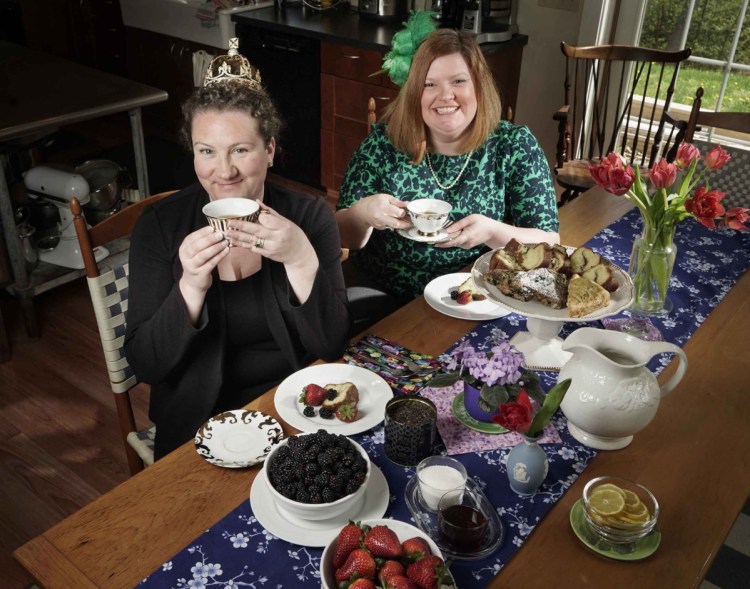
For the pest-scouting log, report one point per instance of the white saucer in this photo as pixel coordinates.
(315, 533)
(414, 235)
(237, 439)
(438, 295)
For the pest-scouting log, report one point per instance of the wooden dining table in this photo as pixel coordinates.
(694, 456)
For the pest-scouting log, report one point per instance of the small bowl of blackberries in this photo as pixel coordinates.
(318, 476)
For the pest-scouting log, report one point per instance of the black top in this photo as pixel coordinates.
(185, 364)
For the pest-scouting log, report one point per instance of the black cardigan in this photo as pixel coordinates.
(183, 362)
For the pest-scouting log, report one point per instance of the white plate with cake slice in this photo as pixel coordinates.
(372, 389)
(438, 295)
(619, 299)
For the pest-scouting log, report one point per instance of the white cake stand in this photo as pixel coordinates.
(541, 345)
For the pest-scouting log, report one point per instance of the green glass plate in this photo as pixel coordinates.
(460, 413)
(639, 550)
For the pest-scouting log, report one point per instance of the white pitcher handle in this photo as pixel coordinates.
(666, 348)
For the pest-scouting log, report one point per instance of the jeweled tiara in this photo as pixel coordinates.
(232, 67)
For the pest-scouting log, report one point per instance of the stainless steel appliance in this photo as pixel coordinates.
(493, 21)
(386, 10)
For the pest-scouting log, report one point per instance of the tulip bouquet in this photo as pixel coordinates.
(519, 415)
(680, 191)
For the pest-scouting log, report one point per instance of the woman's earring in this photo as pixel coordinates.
(270, 164)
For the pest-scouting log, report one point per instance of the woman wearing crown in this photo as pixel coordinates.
(441, 138)
(215, 319)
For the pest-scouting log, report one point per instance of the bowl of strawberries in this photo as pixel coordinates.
(383, 553)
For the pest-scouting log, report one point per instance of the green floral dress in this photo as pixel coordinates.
(507, 179)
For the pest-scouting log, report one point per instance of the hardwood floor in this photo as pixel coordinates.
(59, 443)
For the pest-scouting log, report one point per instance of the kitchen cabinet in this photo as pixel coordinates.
(346, 85)
(165, 62)
(89, 32)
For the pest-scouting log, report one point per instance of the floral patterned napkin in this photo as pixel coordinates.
(387, 359)
(459, 439)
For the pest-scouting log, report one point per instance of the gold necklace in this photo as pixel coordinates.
(456, 179)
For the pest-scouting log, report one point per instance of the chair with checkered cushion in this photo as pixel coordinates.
(734, 177)
(108, 286)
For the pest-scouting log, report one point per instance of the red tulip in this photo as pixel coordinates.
(735, 218)
(663, 174)
(612, 174)
(686, 154)
(516, 416)
(706, 206)
(716, 158)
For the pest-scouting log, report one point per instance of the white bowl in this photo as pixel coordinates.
(318, 511)
(403, 530)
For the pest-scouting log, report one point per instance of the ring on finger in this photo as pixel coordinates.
(259, 243)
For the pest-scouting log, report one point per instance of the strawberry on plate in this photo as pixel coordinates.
(347, 541)
(415, 548)
(428, 573)
(360, 562)
(313, 394)
(347, 412)
(383, 542)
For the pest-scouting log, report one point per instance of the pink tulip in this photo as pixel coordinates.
(686, 154)
(612, 174)
(663, 174)
(716, 158)
(706, 206)
(735, 218)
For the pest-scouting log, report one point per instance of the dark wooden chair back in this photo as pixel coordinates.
(734, 177)
(108, 287)
(603, 111)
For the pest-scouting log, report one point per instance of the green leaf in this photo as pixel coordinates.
(445, 380)
(494, 396)
(551, 403)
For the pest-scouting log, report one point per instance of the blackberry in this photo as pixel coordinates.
(329, 496)
(454, 294)
(303, 496)
(283, 453)
(351, 487)
(309, 411)
(359, 465)
(321, 480)
(316, 498)
(332, 393)
(311, 468)
(326, 413)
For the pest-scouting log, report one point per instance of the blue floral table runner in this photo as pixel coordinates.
(238, 552)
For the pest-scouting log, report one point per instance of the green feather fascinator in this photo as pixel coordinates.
(397, 61)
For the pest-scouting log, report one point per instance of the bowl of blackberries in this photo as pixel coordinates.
(318, 476)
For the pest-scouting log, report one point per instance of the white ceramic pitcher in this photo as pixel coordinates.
(612, 394)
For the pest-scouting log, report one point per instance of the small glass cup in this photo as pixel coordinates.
(436, 475)
(462, 521)
(410, 429)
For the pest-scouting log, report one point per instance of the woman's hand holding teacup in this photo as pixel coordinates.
(470, 232)
(200, 252)
(382, 211)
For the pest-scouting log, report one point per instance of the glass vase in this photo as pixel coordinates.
(651, 264)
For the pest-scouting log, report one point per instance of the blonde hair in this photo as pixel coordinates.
(406, 128)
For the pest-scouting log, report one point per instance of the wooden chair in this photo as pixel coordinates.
(734, 177)
(603, 111)
(108, 287)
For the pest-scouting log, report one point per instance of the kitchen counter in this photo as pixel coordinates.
(338, 26)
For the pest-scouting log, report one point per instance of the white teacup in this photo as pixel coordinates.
(429, 215)
(220, 212)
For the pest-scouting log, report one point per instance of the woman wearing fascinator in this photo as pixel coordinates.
(441, 138)
(216, 318)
